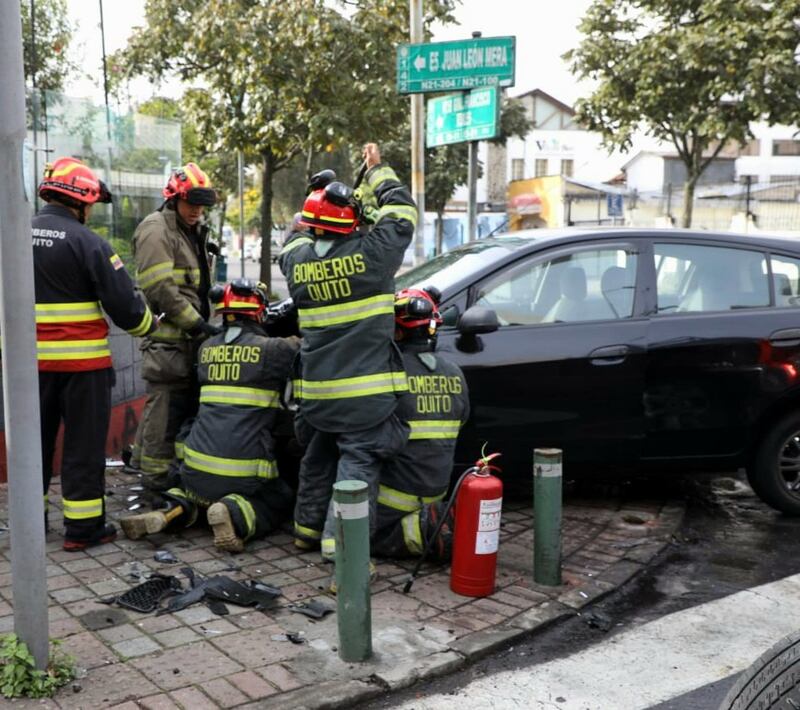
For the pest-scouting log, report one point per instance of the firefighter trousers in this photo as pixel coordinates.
(254, 515)
(406, 533)
(331, 457)
(82, 401)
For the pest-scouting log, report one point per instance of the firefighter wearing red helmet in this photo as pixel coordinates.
(351, 373)
(436, 406)
(229, 469)
(77, 276)
(172, 268)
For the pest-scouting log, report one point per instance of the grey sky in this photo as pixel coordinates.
(544, 32)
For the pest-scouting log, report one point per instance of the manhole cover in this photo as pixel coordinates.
(103, 619)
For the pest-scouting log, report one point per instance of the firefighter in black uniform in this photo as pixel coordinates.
(436, 406)
(229, 453)
(76, 273)
(351, 372)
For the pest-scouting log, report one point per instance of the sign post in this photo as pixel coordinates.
(456, 66)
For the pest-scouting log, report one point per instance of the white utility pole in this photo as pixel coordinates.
(18, 338)
(418, 142)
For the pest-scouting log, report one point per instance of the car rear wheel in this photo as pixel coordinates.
(774, 473)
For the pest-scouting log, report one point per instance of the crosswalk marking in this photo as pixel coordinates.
(647, 665)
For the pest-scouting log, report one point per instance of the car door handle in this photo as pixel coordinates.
(609, 355)
(787, 336)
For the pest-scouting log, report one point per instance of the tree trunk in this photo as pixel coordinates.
(439, 232)
(266, 219)
(688, 202)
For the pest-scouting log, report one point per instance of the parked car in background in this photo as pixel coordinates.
(673, 349)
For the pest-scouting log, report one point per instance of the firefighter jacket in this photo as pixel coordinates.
(172, 270)
(435, 407)
(76, 272)
(350, 369)
(230, 447)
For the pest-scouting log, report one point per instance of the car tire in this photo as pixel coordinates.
(772, 681)
(764, 472)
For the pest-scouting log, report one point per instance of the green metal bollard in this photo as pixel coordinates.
(353, 602)
(547, 516)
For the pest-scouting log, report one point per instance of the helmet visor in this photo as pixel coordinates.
(204, 196)
(105, 193)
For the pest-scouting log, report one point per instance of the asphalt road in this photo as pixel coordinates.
(729, 542)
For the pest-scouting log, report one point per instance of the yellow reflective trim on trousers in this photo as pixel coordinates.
(406, 502)
(407, 212)
(237, 468)
(152, 275)
(296, 243)
(348, 387)
(307, 532)
(152, 465)
(381, 175)
(169, 332)
(412, 534)
(248, 513)
(72, 349)
(179, 450)
(434, 428)
(144, 325)
(348, 312)
(82, 509)
(68, 312)
(230, 394)
(328, 547)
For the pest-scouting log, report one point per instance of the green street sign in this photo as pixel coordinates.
(455, 66)
(471, 116)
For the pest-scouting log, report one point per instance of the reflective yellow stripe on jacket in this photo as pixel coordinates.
(398, 500)
(231, 394)
(238, 468)
(347, 387)
(434, 428)
(348, 312)
(407, 212)
(72, 349)
(68, 312)
(144, 325)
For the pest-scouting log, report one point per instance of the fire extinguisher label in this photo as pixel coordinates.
(488, 537)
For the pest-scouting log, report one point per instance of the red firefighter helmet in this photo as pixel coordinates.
(416, 308)
(331, 208)
(72, 178)
(190, 183)
(241, 298)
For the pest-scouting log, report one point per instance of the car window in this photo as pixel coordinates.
(694, 278)
(786, 278)
(585, 285)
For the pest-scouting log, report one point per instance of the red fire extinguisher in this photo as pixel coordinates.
(478, 506)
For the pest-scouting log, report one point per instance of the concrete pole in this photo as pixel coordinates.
(353, 602)
(472, 200)
(240, 161)
(547, 478)
(418, 141)
(18, 337)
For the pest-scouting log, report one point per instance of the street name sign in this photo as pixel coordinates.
(469, 116)
(455, 66)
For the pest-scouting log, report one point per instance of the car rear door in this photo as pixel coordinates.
(706, 354)
(566, 367)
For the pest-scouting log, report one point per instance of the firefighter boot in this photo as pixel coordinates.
(137, 526)
(100, 536)
(225, 537)
(429, 517)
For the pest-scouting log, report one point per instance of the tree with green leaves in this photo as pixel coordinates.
(279, 78)
(694, 73)
(44, 43)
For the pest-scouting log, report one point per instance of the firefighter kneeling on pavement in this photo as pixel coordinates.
(413, 484)
(229, 464)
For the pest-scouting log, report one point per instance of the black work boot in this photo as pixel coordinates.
(100, 536)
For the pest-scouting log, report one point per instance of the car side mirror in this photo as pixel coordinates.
(473, 322)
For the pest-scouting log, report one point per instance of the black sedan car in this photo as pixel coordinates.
(629, 349)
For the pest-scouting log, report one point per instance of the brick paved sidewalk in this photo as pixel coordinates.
(194, 660)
